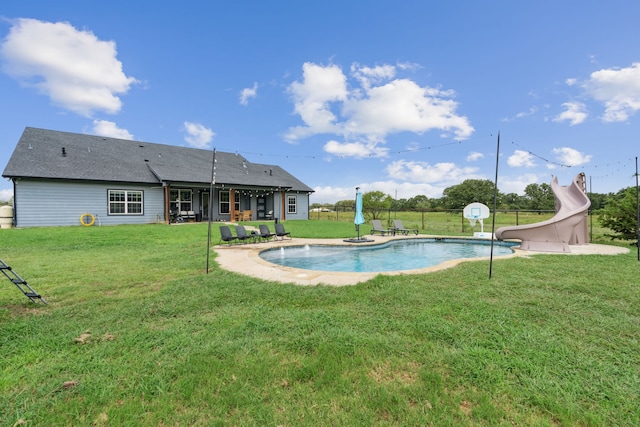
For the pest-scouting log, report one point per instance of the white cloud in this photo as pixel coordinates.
(313, 97)
(198, 135)
(571, 157)
(401, 105)
(110, 129)
(248, 93)
(330, 194)
(368, 76)
(618, 89)
(516, 184)
(401, 190)
(354, 149)
(422, 172)
(373, 107)
(474, 156)
(406, 189)
(521, 158)
(6, 194)
(574, 113)
(530, 112)
(406, 179)
(75, 69)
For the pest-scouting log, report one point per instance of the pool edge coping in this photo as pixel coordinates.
(245, 259)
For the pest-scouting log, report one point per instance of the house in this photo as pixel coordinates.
(59, 177)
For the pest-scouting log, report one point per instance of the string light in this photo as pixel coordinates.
(540, 157)
(620, 164)
(293, 156)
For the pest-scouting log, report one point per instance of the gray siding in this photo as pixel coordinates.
(58, 203)
(302, 206)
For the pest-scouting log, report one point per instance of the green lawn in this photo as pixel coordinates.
(135, 333)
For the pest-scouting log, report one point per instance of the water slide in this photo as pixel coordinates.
(567, 227)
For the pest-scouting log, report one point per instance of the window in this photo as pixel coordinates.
(292, 204)
(224, 205)
(125, 202)
(223, 202)
(180, 200)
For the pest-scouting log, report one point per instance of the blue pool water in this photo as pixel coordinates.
(396, 255)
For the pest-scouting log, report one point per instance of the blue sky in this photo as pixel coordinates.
(404, 97)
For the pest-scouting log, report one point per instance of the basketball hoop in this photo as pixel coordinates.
(476, 212)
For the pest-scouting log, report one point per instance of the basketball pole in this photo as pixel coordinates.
(495, 205)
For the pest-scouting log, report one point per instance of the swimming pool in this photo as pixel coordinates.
(396, 255)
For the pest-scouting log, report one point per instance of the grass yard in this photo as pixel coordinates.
(135, 333)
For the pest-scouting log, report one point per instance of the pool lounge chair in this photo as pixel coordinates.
(241, 232)
(399, 228)
(265, 233)
(281, 233)
(378, 228)
(225, 235)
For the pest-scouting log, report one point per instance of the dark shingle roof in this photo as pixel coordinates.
(42, 153)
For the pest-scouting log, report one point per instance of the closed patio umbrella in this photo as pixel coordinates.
(359, 219)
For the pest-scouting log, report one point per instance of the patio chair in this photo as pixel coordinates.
(225, 235)
(265, 233)
(280, 232)
(242, 235)
(399, 228)
(246, 215)
(377, 227)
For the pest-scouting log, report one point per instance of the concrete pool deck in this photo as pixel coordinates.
(245, 259)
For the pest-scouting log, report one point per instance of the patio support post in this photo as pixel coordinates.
(283, 208)
(232, 201)
(167, 192)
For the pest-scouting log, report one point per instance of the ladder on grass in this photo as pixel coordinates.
(20, 283)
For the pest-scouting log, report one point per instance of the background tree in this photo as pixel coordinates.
(469, 191)
(375, 203)
(401, 205)
(598, 200)
(620, 215)
(540, 197)
(420, 202)
(514, 201)
(345, 205)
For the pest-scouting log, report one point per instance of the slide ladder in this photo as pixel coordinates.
(20, 283)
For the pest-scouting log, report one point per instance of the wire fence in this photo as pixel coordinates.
(448, 222)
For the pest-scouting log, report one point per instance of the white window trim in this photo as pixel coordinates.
(126, 202)
(220, 202)
(294, 204)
